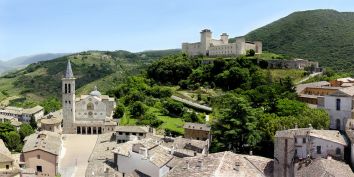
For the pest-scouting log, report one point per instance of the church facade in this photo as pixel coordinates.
(87, 114)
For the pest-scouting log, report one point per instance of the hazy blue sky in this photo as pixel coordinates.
(40, 26)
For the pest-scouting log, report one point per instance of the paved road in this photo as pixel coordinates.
(76, 151)
(192, 104)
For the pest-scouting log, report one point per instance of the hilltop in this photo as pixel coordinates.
(41, 80)
(325, 36)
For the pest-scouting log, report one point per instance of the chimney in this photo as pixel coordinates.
(296, 126)
(237, 166)
(146, 153)
(187, 163)
(310, 126)
(251, 152)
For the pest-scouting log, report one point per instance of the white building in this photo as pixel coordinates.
(130, 133)
(88, 114)
(155, 156)
(299, 144)
(23, 115)
(340, 107)
(220, 47)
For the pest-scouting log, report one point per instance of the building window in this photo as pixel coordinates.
(38, 157)
(338, 104)
(127, 133)
(338, 151)
(141, 134)
(295, 152)
(66, 88)
(133, 133)
(295, 140)
(69, 88)
(90, 106)
(39, 169)
(318, 149)
(7, 167)
(303, 140)
(120, 133)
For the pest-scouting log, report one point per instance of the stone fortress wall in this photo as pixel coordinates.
(220, 47)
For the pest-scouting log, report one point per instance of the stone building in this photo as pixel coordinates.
(220, 47)
(323, 167)
(130, 133)
(7, 163)
(51, 123)
(299, 144)
(197, 131)
(23, 115)
(41, 153)
(88, 114)
(339, 105)
(223, 164)
(155, 156)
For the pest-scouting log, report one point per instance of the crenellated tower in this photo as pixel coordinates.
(68, 100)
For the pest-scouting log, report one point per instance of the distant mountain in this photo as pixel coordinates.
(103, 69)
(326, 36)
(20, 62)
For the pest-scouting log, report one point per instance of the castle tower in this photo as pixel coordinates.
(205, 41)
(224, 38)
(68, 102)
(240, 45)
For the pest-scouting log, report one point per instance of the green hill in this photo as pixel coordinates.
(42, 80)
(326, 36)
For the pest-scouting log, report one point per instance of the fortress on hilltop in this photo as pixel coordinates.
(220, 47)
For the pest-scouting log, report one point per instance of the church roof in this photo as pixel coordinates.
(69, 71)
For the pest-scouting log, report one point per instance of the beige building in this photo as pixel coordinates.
(41, 152)
(220, 47)
(301, 144)
(223, 164)
(87, 114)
(7, 163)
(51, 123)
(197, 131)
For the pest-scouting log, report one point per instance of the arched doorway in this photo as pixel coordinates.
(338, 124)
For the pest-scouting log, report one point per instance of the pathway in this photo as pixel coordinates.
(192, 104)
(308, 77)
(76, 151)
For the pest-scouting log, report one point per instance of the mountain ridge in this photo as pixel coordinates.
(324, 35)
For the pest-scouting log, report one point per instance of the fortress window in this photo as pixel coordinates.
(66, 88)
(69, 88)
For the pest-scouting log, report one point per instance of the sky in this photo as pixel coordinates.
(30, 27)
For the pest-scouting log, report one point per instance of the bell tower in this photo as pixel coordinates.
(68, 102)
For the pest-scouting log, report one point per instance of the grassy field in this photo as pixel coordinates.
(171, 123)
(295, 74)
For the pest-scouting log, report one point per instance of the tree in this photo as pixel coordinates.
(172, 107)
(25, 130)
(119, 111)
(13, 141)
(137, 109)
(51, 104)
(33, 122)
(6, 127)
(236, 126)
(150, 119)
